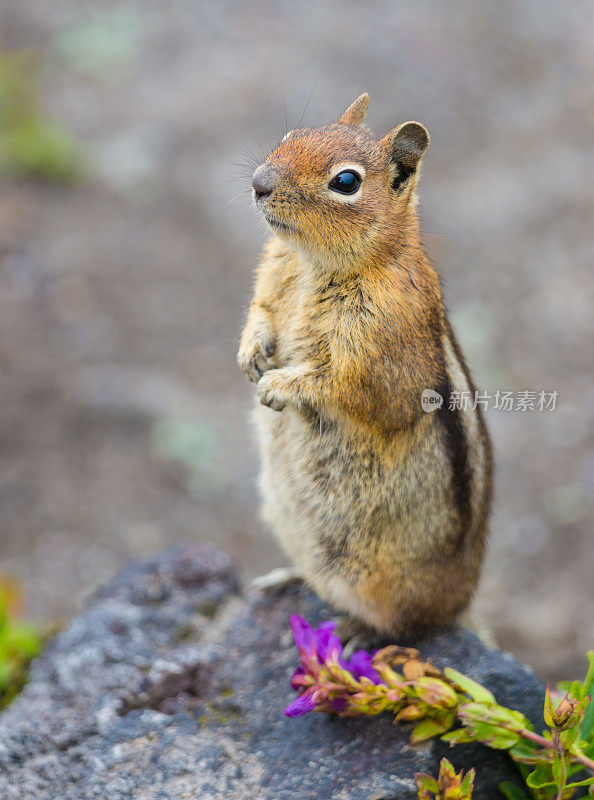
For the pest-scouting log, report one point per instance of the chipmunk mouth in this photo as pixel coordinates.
(282, 227)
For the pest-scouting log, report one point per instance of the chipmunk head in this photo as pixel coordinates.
(336, 190)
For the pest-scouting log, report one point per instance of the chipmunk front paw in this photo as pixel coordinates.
(274, 389)
(255, 354)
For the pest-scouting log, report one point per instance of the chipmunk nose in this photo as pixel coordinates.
(263, 181)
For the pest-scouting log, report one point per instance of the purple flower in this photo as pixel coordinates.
(303, 634)
(302, 705)
(360, 666)
(339, 704)
(321, 644)
(324, 679)
(295, 682)
(328, 644)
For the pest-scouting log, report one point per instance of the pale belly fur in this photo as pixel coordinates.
(364, 526)
(344, 513)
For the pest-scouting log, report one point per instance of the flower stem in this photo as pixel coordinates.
(542, 742)
(534, 737)
(587, 762)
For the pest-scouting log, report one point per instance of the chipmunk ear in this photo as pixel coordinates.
(355, 113)
(405, 145)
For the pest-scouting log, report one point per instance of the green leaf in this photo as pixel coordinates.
(491, 735)
(493, 714)
(19, 643)
(512, 792)
(5, 675)
(587, 727)
(23, 640)
(586, 782)
(468, 782)
(427, 787)
(587, 748)
(436, 692)
(446, 768)
(568, 737)
(540, 778)
(493, 725)
(559, 771)
(468, 686)
(524, 749)
(426, 782)
(577, 690)
(500, 739)
(429, 728)
(589, 679)
(548, 709)
(459, 736)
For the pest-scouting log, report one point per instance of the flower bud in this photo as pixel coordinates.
(564, 713)
(435, 692)
(410, 714)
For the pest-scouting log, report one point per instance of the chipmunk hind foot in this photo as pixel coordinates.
(277, 580)
(356, 635)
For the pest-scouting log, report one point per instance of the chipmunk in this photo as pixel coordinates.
(381, 505)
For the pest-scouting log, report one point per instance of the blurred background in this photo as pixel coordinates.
(127, 243)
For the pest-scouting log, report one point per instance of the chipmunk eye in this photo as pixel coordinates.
(346, 182)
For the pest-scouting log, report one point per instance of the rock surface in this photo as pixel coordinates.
(171, 685)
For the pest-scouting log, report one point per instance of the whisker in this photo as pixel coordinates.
(307, 104)
(251, 157)
(239, 196)
(285, 111)
(262, 151)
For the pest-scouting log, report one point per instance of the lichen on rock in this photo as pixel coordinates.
(121, 706)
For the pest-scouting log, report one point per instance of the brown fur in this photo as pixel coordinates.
(382, 506)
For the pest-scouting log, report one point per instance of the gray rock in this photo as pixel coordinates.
(171, 685)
